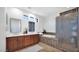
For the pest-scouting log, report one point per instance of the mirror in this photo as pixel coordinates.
(15, 25)
(31, 26)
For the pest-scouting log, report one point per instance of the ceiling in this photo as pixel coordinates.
(45, 11)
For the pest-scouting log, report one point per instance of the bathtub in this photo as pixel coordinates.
(49, 36)
(49, 39)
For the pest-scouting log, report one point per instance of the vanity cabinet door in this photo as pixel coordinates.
(15, 44)
(27, 41)
(11, 44)
(20, 41)
(23, 42)
(36, 38)
(32, 39)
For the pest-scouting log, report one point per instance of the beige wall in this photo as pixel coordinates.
(50, 23)
(2, 30)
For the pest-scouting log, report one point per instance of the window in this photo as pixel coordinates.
(31, 26)
(15, 25)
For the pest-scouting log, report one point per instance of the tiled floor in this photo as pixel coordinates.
(34, 48)
(41, 47)
(47, 48)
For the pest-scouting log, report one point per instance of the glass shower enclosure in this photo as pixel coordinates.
(67, 30)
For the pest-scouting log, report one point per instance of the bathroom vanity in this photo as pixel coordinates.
(17, 42)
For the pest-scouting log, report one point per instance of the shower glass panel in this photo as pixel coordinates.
(66, 32)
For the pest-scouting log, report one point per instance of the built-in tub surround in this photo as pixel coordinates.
(49, 39)
(49, 36)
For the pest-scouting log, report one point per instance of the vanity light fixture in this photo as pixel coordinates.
(36, 20)
(25, 17)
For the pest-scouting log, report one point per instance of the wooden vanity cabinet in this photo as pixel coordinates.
(32, 40)
(11, 44)
(36, 38)
(19, 42)
(26, 41)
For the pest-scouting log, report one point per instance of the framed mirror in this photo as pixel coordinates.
(15, 25)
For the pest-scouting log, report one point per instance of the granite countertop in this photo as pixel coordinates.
(13, 35)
